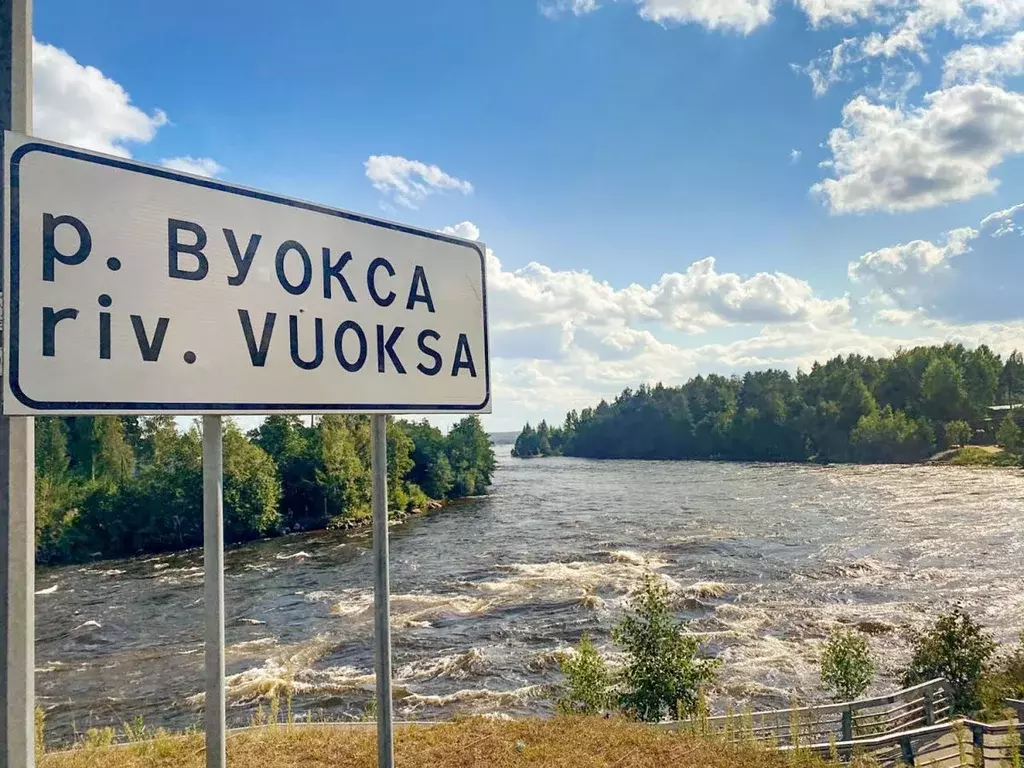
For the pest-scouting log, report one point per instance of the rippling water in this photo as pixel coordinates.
(765, 561)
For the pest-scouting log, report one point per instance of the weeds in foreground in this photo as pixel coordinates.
(40, 731)
(468, 743)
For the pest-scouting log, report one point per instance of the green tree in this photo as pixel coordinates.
(343, 477)
(1011, 379)
(957, 433)
(890, 436)
(847, 669)
(944, 396)
(114, 458)
(471, 458)
(1009, 434)
(158, 441)
(294, 449)
(252, 488)
(52, 460)
(958, 649)
(982, 368)
(588, 681)
(664, 674)
(431, 469)
(439, 478)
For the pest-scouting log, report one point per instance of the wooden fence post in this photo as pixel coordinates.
(848, 724)
(929, 708)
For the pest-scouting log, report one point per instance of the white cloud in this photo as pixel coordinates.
(963, 18)
(896, 159)
(989, 63)
(199, 166)
(908, 274)
(79, 105)
(830, 68)
(465, 229)
(902, 316)
(410, 182)
(1004, 221)
(795, 155)
(556, 8)
(539, 308)
(822, 12)
(733, 15)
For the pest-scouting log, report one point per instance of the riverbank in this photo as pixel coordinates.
(976, 456)
(476, 743)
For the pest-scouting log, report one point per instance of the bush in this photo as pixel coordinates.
(957, 433)
(588, 681)
(847, 669)
(958, 649)
(1006, 681)
(1009, 435)
(663, 676)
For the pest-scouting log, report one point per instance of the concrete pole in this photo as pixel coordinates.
(213, 584)
(382, 592)
(17, 456)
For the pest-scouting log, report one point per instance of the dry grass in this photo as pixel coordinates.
(559, 743)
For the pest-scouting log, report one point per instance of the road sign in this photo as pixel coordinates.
(136, 289)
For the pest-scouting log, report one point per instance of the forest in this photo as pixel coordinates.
(898, 409)
(113, 486)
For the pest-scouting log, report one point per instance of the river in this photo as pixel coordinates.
(765, 561)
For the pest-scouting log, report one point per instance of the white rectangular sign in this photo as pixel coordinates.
(135, 289)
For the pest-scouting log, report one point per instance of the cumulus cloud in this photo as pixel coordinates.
(199, 166)
(1004, 222)
(985, 63)
(541, 313)
(897, 159)
(79, 105)
(466, 229)
(909, 274)
(410, 182)
(692, 301)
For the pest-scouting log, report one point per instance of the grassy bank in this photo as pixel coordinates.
(558, 743)
(979, 456)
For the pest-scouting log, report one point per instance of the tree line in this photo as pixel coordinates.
(849, 409)
(111, 486)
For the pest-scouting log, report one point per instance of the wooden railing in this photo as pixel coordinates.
(922, 705)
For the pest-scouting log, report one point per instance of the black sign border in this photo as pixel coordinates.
(81, 406)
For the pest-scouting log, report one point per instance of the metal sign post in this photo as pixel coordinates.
(17, 455)
(213, 584)
(382, 592)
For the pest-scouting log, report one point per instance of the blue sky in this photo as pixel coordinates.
(835, 158)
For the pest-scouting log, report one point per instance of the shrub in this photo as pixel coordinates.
(1009, 435)
(957, 433)
(664, 675)
(588, 682)
(958, 649)
(1005, 681)
(846, 665)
